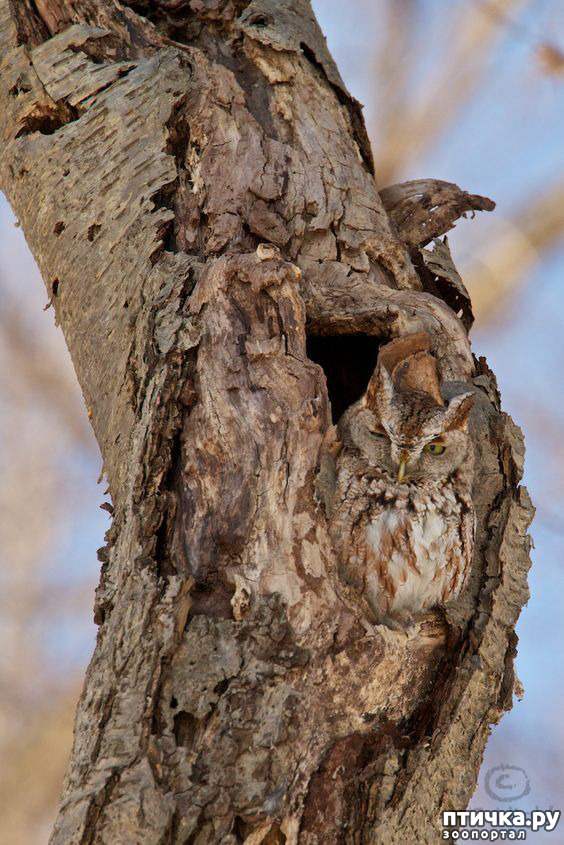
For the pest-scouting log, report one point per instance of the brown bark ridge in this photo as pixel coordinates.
(197, 187)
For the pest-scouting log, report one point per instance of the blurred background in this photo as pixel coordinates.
(471, 91)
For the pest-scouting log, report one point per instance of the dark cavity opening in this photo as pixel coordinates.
(185, 726)
(348, 361)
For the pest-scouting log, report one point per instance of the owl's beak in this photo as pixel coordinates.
(402, 464)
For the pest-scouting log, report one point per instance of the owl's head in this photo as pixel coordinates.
(413, 435)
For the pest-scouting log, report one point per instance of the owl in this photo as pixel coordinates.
(402, 519)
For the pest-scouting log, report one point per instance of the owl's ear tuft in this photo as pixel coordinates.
(456, 415)
(380, 390)
(385, 389)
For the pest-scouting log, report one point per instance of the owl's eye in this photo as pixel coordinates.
(380, 434)
(434, 448)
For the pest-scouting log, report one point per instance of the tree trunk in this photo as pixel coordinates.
(197, 187)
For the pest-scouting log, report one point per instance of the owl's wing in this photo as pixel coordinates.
(464, 551)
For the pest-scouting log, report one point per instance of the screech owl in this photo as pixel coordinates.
(402, 518)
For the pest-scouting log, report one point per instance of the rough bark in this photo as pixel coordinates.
(197, 188)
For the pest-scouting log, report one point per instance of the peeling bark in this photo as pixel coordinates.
(197, 187)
